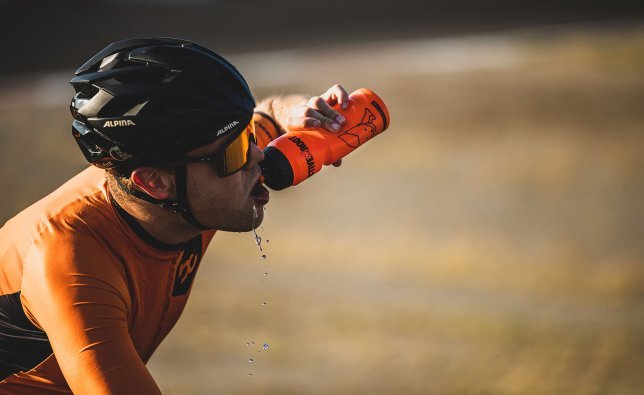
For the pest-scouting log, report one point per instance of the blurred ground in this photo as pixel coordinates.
(490, 242)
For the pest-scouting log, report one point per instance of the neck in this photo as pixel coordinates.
(162, 224)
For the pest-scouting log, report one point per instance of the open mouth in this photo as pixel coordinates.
(259, 194)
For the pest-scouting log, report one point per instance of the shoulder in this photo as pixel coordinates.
(70, 261)
(73, 228)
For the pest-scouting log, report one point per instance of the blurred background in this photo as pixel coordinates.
(489, 242)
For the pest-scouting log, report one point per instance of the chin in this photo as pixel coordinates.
(245, 224)
(258, 220)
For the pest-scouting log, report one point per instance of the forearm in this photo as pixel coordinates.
(300, 112)
(280, 108)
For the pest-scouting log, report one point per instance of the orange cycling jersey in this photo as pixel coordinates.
(86, 294)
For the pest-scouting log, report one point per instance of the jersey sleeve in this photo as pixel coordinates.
(266, 129)
(76, 292)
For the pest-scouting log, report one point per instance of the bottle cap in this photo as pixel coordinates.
(276, 169)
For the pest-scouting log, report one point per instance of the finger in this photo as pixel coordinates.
(337, 94)
(303, 123)
(304, 118)
(318, 104)
(307, 118)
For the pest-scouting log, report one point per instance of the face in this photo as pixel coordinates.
(226, 203)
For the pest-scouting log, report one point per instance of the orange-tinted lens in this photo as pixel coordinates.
(235, 155)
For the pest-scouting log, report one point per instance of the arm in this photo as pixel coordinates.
(75, 291)
(297, 112)
(277, 115)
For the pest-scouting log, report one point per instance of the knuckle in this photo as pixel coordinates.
(310, 112)
(310, 123)
(314, 101)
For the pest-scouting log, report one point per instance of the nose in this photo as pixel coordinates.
(255, 155)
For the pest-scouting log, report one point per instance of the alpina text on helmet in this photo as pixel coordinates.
(227, 128)
(119, 122)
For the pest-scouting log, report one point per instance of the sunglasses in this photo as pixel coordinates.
(231, 158)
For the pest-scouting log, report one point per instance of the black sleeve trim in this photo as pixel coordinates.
(280, 131)
(22, 345)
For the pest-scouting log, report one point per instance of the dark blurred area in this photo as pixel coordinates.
(490, 242)
(60, 35)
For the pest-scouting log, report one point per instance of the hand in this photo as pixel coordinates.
(318, 111)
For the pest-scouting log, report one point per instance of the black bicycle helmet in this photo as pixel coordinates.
(148, 101)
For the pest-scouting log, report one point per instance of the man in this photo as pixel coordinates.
(95, 275)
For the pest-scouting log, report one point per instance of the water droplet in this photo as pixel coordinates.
(258, 240)
(250, 375)
(263, 256)
(267, 241)
(247, 344)
(251, 360)
(253, 343)
(264, 304)
(265, 346)
(266, 274)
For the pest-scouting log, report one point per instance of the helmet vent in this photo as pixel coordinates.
(121, 106)
(87, 92)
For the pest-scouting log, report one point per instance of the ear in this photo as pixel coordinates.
(156, 182)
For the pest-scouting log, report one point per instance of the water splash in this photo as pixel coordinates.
(258, 240)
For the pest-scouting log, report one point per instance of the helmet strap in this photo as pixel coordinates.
(179, 206)
(182, 197)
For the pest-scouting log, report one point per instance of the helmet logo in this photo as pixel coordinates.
(227, 128)
(120, 122)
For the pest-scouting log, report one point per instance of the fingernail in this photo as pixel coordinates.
(345, 105)
(340, 119)
(335, 126)
(316, 123)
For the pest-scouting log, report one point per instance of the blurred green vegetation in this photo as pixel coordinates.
(490, 242)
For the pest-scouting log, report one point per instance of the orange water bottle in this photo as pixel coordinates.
(298, 154)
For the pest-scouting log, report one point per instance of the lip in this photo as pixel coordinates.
(259, 193)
